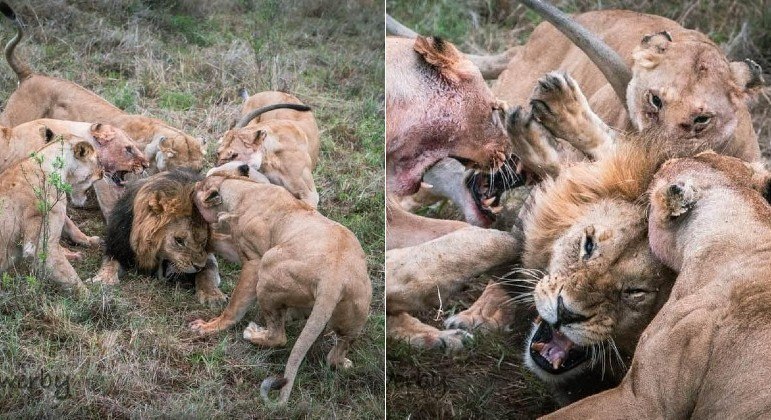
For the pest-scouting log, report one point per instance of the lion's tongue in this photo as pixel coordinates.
(556, 350)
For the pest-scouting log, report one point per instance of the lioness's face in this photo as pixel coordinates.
(688, 90)
(184, 247)
(84, 169)
(242, 144)
(603, 288)
(117, 152)
(178, 150)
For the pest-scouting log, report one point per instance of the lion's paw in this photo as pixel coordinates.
(211, 298)
(72, 255)
(472, 319)
(345, 364)
(203, 327)
(447, 340)
(94, 242)
(254, 332)
(555, 94)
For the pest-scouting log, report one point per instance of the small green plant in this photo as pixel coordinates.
(49, 190)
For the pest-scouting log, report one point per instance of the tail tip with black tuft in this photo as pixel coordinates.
(6, 10)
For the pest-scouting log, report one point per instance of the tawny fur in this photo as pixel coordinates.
(292, 257)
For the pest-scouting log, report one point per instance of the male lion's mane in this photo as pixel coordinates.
(137, 245)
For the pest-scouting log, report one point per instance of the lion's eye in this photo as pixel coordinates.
(129, 150)
(179, 241)
(589, 245)
(636, 295)
(655, 101)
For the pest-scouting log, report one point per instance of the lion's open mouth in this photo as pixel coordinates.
(553, 352)
(119, 177)
(487, 189)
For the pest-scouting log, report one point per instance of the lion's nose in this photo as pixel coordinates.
(565, 316)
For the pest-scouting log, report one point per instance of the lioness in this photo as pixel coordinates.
(117, 154)
(26, 229)
(667, 76)
(702, 355)
(438, 106)
(40, 96)
(283, 145)
(156, 229)
(292, 257)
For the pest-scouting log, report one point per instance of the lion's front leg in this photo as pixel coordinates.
(207, 283)
(405, 327)
(242, 298)
(562, 108)
(71, 231)
(427, 275)
(614, 403)
(60, 270)
(109, 272)
(493, 311)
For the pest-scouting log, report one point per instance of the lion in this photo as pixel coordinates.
(40, 96)
(438, 106)
(155, 229)
(710, 222)
(640, 71)
(27, 230)
(292, 258)
(117, 154)
(279, 140)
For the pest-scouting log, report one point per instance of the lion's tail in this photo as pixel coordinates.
(329, 297)
(22, 70)
(259, 111)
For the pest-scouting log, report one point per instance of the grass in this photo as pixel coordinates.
(126, 351)
(488, 379)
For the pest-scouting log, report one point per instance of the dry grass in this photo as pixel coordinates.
(488, 380)
(127, 350)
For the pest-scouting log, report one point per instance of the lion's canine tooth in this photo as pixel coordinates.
(538, 346)
(488, 201)
(496, 209)
(556, 363)
(426, 185)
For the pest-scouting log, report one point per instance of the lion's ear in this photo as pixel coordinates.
(163, 144)
(243, 170)
(442, 56)
(748, 74)
(83, 150)
(100, 133)
(47, 134)
(157, 202)
(680, 198)
(651, 50)
(258, 136)
(213, 198)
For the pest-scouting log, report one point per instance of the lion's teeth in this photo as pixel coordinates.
(496, 209)
(488, 201)
(556, 363)
(426, 185)
(538, 346)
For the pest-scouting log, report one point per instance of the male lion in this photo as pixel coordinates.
(26, 229)
(704, 354)
(292, 258)
(40, 96)
(155, 228)
(278, 137)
